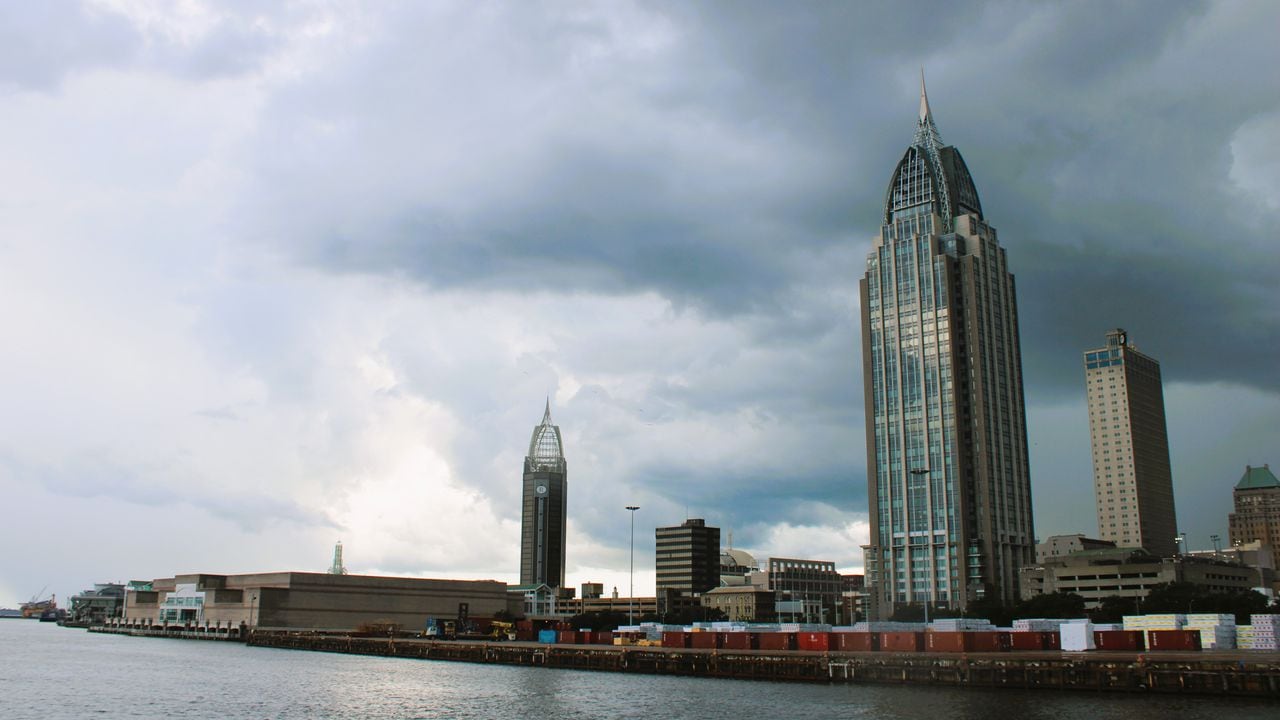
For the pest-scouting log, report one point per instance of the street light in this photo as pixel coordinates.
(1217, 544)
(631, 600)
(919, 472)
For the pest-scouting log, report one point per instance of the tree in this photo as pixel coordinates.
(598, 620)
(1113, 608)
(1051, 605)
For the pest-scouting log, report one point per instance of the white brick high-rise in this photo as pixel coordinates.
(1132, 480)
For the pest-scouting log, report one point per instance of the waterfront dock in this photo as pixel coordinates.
(1245, 674)
(224, 633)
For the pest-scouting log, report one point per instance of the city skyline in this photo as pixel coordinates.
(277, 278)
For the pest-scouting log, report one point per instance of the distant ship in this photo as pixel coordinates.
(36, 608)
(10, 613)
(52, 614)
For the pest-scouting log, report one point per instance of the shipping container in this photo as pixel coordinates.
(567, 637)
(814, 641)
(604, 637)
(855, 641)
(526, 636)
(902, 641)
(704, 640)
(1117, 639)
(776, 641)
(547, 636)
(988, 641)
(1173, 639)
(1028, 640)
(524, 625)
(949, 641)
(1052, 640)
(737, 640)
(675, 639)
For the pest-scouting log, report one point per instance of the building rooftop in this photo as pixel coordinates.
(1255, 478)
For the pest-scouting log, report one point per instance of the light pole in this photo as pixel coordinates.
(919, 472)
(1217, 544)
(631, 599)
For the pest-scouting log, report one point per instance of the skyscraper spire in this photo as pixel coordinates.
(546, 416)
(927, 135)
(925, 116)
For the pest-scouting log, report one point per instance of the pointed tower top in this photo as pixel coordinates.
(926, 130)
(546, 415)
(925, 116)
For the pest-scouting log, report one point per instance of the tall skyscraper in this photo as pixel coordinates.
(545, 503)
(947, 474)
(1131, 477)
(688, 557)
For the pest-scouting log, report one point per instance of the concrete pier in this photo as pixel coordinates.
(1240, 673)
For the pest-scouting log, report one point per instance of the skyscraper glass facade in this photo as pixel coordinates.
(948, 480)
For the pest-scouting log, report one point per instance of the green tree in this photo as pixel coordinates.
(600, 620)
(1051, 605)
(1113, 608)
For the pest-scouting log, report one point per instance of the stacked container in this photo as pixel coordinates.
(1145, 623)
(1264, 630)
(1217, 631)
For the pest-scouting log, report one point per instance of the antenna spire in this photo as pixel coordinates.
(546, 415)
(926, 130)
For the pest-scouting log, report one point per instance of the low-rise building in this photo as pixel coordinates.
(1129, 572)
(1061, 545)
(742, 603)
(313, 600)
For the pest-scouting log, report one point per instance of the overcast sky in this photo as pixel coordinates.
(274, 276)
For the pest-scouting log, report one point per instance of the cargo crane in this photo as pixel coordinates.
(35, 607)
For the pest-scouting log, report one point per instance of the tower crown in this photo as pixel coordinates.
(546, 450)
(931, 177)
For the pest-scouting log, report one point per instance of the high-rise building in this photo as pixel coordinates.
(1132, 481)
(1257, 508)
(544, 507)
(688, 557)
(947, 473)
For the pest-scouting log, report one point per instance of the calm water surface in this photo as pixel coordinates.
(52, 672)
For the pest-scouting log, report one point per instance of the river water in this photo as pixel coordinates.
(52, 672)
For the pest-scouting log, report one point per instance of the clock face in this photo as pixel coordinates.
(541, 489)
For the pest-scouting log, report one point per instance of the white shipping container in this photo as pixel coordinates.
(1077, 636)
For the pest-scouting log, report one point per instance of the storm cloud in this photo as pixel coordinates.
(279, 277)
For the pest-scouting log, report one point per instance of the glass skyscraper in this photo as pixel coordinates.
(947, 473)
(544, 513)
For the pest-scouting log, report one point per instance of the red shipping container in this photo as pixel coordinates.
(1117, 639)
(675, 639)
(703, 640)
(526, 636)
(1173, 639)
(737, 640)
(988, 641)
(1027, 640)
(603, 637)
(814, 641)
(902, 641)
(1052, 640)
(567, 637)
(524, 625)
(776, 641)
(945, 642)
(855, 641)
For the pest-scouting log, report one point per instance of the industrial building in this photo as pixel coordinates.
(947, 465)
(1132, 479)
(321, 601)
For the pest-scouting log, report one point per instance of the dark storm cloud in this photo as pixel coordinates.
(1086, 150)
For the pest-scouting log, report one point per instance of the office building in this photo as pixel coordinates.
(544, 506)
(688, 557)
(1257, 508)
(948, 480)
(1132, 482)
(1060, 545)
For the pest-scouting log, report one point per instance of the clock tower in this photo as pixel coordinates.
(543, 507)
